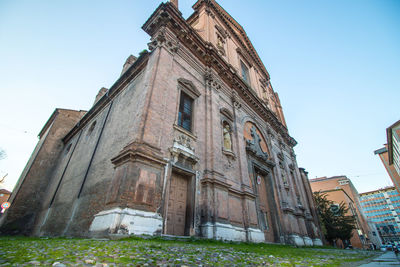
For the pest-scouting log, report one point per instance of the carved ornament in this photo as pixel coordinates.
(254, 145)
(183, 152)
(185, 141)
(235, 100)
(161, 40)
(211, 81)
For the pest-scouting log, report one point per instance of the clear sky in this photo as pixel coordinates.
(335, 65)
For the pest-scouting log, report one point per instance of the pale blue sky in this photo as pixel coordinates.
(335, 65)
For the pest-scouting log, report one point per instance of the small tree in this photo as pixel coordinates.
(335, 223)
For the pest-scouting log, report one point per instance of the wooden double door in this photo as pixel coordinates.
(177, 205)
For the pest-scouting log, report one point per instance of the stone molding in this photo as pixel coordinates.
(227, 113)
(139, 152)
(218, 179)
(189, 86)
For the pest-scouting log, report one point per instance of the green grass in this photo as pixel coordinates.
(157, 251)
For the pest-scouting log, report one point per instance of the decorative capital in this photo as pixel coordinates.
(211, 81)
(291, 166)
(235, 100)
(280, 156)
(161, 39)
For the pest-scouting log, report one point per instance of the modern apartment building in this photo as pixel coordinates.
(382, 207)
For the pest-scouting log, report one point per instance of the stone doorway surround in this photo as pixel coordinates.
(179, 203)
(260, 171)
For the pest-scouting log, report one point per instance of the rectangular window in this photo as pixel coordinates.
(245, 72)
(185, 112)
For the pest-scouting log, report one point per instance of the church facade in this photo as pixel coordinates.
(191, 140)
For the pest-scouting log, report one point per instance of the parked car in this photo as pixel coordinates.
(383, 248)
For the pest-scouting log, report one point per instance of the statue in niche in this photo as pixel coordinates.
(285, 181)
(227, 137)
(220, 44)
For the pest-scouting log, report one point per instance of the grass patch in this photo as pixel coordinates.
(158, 251)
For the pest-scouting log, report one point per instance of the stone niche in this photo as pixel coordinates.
(133, 202)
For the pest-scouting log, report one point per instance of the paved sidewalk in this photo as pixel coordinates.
(387, 259)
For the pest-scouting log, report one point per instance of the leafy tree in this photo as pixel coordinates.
(336, 225)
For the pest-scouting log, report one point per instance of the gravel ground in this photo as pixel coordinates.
(155, 252)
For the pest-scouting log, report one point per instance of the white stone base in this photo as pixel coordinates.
(308, 241)
(256, 235)
(127, 221)
(317, 242)
(296, 240)
(232, 233)
(223, 232)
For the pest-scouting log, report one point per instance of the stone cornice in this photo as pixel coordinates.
(228, 187)
(138, 152)
(167, 16)
(119, 85)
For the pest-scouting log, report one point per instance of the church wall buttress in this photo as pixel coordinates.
(122, 125)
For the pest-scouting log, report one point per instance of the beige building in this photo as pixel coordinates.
(341, 189)
(390, 154)
(191, 140)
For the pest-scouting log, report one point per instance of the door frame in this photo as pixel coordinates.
(190, 175)
(265, 170)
